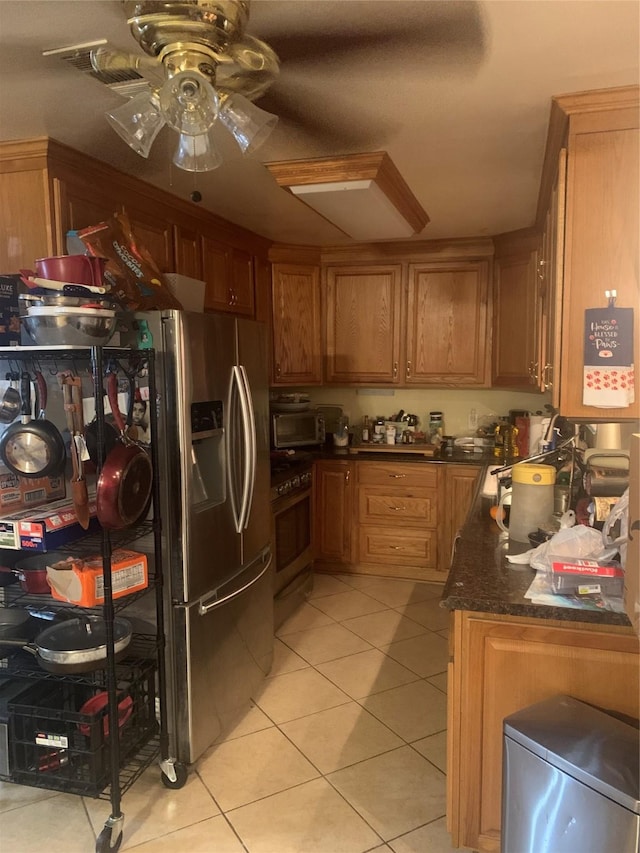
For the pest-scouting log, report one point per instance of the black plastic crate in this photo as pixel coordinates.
(54, 744)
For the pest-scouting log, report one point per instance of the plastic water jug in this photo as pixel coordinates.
(531, 497)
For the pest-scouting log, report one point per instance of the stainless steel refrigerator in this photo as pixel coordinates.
(213, 449)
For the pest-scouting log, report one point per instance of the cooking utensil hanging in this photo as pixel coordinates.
(98, 453)
(32, 448)
(124, 484)
(75, 645)
(72, 395)
(11, 401)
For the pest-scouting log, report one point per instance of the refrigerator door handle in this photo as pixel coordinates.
(205, 608)
(241, 382)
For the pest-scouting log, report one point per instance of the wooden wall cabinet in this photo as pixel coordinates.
(50, 188)
(333, 511)
(446, 324)
(501, 664)
(412, 323)
(550, 274)
(296, 324)
(228, 272)
(602, 227)
(362, 311)
(516, 311)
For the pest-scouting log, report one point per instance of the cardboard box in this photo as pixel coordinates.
(46, 529)
(189, 291)
(9, 310)
(586, 577)
(23, 492)
(81, 581)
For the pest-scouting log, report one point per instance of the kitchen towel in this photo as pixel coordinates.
(608, 379)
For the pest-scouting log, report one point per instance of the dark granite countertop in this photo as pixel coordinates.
(481, 578)
(459, 457)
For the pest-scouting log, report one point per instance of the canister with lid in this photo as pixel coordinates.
(531, 496)
(436, 427)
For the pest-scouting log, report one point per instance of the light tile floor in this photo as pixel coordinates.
(342, 750)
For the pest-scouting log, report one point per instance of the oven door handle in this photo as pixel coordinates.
(207, 606)
(284, 503)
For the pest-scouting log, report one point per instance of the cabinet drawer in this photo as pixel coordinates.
(397, 474)
(402, 546)
(402, 505)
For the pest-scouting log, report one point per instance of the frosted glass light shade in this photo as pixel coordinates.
(196, 153)
(189, 104)
(249, 125)
(138, 122)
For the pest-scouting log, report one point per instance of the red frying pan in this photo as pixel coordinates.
(124, 484)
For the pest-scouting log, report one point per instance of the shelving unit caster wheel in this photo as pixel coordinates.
(110, 838)
(179, 771)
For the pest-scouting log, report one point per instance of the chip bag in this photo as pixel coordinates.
(131, 273)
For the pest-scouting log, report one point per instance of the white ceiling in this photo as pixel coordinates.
(461, 107)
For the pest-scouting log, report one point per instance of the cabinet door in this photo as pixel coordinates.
(188, 246)
(516, 317)
(447, 340)
(155, 233)
(228, 273)
(601, 250)
(363, 324)
(550, 269)
(80, 205)
(295, 309)
(333, 510)
(460, 484)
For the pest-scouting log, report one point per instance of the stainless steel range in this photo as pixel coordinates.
(291, 481)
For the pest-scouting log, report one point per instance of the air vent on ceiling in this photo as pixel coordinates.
(125, 81)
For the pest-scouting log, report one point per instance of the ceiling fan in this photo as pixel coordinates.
(201, 69)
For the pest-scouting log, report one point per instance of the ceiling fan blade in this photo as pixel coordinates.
(320, 123)
(333, 31)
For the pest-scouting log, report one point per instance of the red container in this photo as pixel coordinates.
(72, 269)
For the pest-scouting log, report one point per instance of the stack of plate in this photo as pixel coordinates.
(291, 403)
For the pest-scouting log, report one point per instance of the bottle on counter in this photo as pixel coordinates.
(505, 444)
(436, 428)
(365, 430)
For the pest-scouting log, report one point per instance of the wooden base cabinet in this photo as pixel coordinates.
(394, 519)
(333, 511)
(460, 486)
(397, 519)
(501, 664)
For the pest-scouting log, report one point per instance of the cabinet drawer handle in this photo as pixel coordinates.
(278, 369)
(395, 369)
(397, 508)
(395, 547)
(397, 476)
(408, 370)
(347, 475)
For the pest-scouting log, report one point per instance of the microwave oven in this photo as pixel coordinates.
(297, 429)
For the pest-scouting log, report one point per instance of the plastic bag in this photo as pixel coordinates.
(620, 512)
(135, 280)
(579, 542)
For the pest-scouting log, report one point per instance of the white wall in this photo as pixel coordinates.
(455, 404)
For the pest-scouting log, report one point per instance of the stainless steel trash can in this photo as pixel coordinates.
(570, 780)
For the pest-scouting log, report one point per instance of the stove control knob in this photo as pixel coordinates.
(305, 479)
(295, 482)
(284, 488)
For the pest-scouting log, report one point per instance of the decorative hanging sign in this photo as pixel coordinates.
(608, 379)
